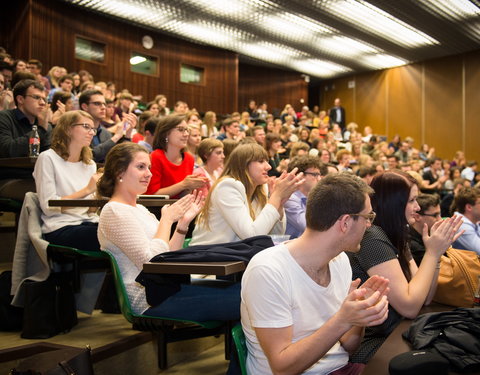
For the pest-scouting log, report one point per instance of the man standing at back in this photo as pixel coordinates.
(301, 313)
(337, 115)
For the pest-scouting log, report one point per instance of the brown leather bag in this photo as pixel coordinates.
(458, 278)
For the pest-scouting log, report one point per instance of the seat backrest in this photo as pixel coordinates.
(123, 300)
(65, 250)
(186, 242)
(126, 308)
(241, 346)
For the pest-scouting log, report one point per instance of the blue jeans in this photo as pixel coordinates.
(201, 301)
(83, 236)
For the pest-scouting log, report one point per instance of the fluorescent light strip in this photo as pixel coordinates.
(381, 61)
(226, 8)
(364, 15)
(458, 9)
(338, 45)
(319, 68)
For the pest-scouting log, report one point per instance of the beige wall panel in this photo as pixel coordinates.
(404, 104)
(276, 87)
(338, 88)
(443, 105)
(370, 101)
(472, 105)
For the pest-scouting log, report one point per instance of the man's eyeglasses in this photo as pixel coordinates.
(370, 216)
(313, 174)
(435, 214)
(98, 104)
(87, 127)
(37, 97)
(182, 129)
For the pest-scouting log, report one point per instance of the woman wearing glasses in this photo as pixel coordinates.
(67, 171)
(385, 251)
(172, 166)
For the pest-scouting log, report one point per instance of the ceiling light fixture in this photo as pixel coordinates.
(368, 17)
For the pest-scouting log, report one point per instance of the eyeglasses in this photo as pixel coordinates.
(87, 127)
(370, 216)
(435, 214)
(37, 97)
(182, 129)
(313, 174)
(98, 104)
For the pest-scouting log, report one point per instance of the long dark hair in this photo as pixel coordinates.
(392, 190)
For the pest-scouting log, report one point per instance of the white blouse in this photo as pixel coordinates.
(128, 233)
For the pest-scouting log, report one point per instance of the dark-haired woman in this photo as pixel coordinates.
(67, 171)
(61, 102)
(172, 166)
(384, 251)
(133, 236)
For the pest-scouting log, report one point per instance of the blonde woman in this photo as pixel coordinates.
(163, 110)
(238, 205)
(208, 127)
(67, 171)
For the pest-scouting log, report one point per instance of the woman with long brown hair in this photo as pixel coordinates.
(133, 236)
(238, 205)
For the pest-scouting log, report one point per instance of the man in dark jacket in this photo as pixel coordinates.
(15, 129)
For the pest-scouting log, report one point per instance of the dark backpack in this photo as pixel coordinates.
(10, 316)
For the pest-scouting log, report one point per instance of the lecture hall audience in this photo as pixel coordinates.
(237, 168)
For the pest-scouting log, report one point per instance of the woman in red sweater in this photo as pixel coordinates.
(172, 166)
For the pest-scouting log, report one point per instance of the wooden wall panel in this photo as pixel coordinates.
(435, 102)
(15, 27)
(339, 89)
(55, 25)
(404, 106)
(276, 87)
(443, 105)
(370, 98)
(472, 106)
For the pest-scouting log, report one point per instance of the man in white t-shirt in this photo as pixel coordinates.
(301, 313)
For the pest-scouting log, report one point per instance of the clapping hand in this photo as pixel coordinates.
(287, 183)
(442, 234)
(367, 305)
(176, 211)
(194, 208)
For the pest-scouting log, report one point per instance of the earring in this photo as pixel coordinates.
(120, 179)
(166, 140)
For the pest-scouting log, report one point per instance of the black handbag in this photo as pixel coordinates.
(49, 307)
(71, 361)
(10, 316)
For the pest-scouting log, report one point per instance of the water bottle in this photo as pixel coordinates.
(34, 143)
